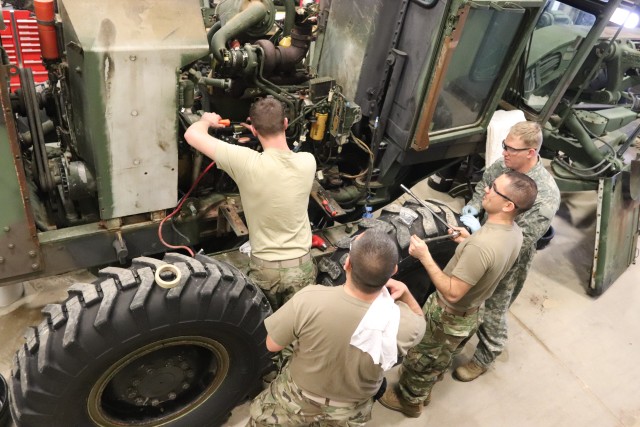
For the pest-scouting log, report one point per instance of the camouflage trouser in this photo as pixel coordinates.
(492, 334)
(282, 404)
(425, 363)
(279, 284)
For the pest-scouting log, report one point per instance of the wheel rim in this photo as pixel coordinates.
(159, 383)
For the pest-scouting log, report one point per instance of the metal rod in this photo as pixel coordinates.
(409, 192)
(453, 235)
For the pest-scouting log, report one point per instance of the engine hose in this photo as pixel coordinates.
(214, 29)
(244, 20)
(289, 17)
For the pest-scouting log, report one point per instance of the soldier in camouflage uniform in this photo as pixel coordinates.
(520, 153)
(454, 311)
(279, 228)
(339, 357)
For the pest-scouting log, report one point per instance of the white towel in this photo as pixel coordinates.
(498, 129)
(378, 331)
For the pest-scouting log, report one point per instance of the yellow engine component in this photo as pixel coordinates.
(319, 127)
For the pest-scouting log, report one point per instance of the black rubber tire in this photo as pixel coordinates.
(119, 351)
(5, 418)
(410, 271)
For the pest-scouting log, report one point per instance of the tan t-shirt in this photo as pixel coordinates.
(322, 320)
(482, 260)
(274, 187)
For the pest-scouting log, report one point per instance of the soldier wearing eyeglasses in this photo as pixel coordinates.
(519, 153)
(454, 312)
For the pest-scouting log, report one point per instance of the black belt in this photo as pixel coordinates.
(285, 263)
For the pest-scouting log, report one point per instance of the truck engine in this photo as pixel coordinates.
(98, 175)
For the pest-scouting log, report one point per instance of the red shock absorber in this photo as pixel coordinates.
(45, 15)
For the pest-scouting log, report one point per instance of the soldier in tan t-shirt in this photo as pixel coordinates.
(329, 379)
(453, 312)
(274, 186)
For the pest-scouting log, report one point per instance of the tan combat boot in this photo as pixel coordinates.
(390, 399)
(469, 371)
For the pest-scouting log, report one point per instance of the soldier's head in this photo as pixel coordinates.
(373, 259)
(510, 194)
(520, 147)
(268, 117)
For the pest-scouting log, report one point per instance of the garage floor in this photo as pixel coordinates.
(572, 360)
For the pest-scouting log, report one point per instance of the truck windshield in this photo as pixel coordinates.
(559, 32)
(476, 64)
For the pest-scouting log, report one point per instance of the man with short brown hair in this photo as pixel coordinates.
(276, 214)
(454, 311)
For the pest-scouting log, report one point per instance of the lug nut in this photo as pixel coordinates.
(172, 395)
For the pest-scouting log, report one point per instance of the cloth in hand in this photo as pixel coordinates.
(378, 331)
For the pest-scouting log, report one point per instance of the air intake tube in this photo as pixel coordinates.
(45, 15)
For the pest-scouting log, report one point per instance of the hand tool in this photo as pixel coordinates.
(409, 192)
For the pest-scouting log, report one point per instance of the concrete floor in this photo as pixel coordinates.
(572, 360)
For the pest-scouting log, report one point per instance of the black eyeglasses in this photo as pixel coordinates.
(512, 149)
(493, 186)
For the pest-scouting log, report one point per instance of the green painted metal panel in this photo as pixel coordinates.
(19, 250)
(616, 233)
(123, 59)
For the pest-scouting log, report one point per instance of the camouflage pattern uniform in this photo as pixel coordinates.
(283, 404)
(492, 334)
(279, 284)
(425, 363)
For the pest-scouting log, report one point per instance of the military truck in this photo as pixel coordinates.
(96, 172)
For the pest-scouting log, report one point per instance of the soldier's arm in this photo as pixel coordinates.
(273, 346)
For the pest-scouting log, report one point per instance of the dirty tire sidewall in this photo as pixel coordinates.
(103, 323)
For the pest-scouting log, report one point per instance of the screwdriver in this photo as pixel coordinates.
(327, 207)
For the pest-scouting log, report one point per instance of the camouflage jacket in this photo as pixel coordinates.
(534, 222)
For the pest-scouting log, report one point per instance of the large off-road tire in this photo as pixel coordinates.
(125, 351)
(410, 271)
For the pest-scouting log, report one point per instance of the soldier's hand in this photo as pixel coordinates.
(396, 288)
(463, 233)
(471, 222)
(469, 210)
(418, 248)
(212, 120)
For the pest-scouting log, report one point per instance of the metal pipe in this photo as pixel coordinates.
(380, 124)
(577, 129)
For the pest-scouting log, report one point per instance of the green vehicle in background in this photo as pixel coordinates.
(96, 172)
